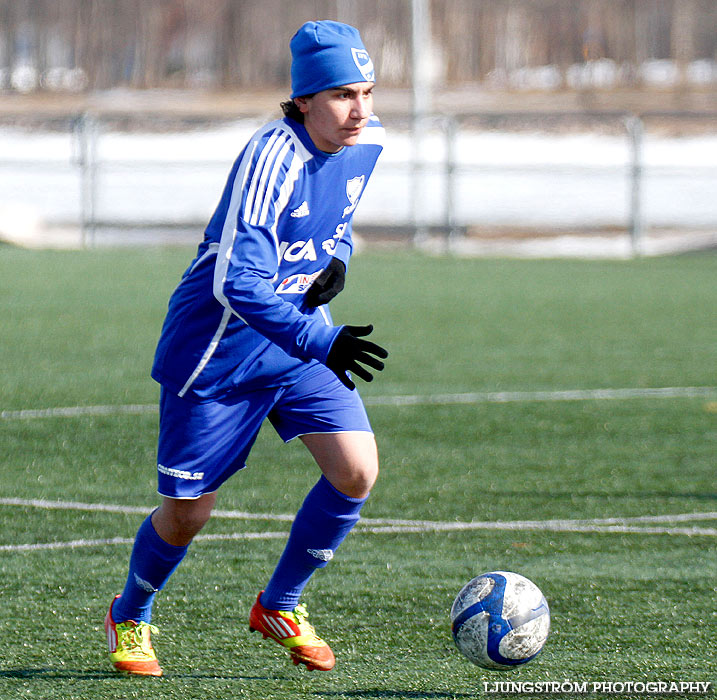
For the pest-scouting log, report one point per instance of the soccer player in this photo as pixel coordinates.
(248, 336)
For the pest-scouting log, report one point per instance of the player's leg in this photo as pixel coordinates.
(178, 521)
(200, 446)
(159, 547)
(348, 460)
(332, 423)
(349, 464)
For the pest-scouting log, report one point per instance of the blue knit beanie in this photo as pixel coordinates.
(327, 54)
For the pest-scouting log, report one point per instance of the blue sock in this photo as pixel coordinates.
(320, 526)
(152, 563)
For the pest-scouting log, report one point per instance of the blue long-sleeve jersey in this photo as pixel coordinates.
(238, 319)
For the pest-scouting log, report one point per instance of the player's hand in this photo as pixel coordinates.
(327, 285)
(349, 349)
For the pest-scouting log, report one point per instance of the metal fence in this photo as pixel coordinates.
(615, 181)
(637, 179)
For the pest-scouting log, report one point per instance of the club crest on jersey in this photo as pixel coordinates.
(296, 284)
(354, 187)
(364, 64)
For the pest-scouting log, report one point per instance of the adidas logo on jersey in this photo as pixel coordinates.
(302, 210)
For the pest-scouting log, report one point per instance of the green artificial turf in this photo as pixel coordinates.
(633, 603)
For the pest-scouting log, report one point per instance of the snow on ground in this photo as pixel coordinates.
(569, 183)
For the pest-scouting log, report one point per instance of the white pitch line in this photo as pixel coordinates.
(378, 526)
(675, 392)
(73, 505)
(73, 544)
(128, 510)
(526, 524)
(545, 527)
(75, 411)
(427, 524)
(390, 530)
(242, 536)
(63, 545)
(548, 396)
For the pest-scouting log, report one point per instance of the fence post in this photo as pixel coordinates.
(421, 110)
(449, 173)
(635, 130)
(86, 134)
(417, 173)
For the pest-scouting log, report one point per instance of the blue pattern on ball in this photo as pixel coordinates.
(498, 626)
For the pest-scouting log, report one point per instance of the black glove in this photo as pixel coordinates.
(349, 349)
(327, 285)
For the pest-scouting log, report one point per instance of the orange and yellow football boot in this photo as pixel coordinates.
(130, 646)
(292, 630)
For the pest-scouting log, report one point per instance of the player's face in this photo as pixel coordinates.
(336, 117)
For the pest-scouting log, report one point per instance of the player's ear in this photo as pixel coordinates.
(302, 103)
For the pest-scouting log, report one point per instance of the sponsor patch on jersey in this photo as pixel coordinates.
(298, 250)
(296, 284)
(329, 245)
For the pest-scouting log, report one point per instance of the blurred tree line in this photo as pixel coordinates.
(239, 44)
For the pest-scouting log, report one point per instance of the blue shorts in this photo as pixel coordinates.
(202, 444)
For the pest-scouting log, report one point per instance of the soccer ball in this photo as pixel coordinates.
(500, 620)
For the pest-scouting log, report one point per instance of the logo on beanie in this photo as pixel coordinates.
(364, 64)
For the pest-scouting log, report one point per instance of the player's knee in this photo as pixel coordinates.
(177, 522)
(348, 460)
(180, 530)
(358, 481)
(192, 523)
(365, 473)
(369, 476)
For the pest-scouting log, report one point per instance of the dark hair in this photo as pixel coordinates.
(290, 110)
